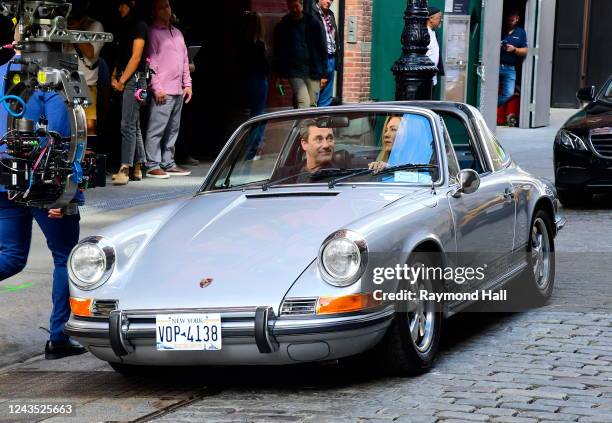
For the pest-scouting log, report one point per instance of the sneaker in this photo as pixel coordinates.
(136, 174)
(122, 177)
(57, 350)
(178, 171)
(157, 173)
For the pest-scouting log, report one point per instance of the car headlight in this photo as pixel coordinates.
(570, 140)
(343, 258)
(91, 263)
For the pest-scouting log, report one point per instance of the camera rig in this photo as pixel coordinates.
(42, 168)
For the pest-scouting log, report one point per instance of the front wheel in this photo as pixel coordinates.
(541, 259)
(411, 343)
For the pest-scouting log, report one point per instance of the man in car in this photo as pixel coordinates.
(318, 145)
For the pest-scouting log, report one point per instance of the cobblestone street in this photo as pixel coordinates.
(553, 364)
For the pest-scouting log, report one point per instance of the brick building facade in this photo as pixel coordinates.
(357, 53)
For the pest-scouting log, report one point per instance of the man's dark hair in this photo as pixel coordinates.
(514, 12)
(291, 1)
(305, 128)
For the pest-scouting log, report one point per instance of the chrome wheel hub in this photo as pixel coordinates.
(540, 253)
(421, 317)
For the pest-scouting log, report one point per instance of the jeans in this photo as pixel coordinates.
(327, 93)
(305, 91)
(507, 83)
(163, 131)
(15, 238)
(257, 97)
(132, 146)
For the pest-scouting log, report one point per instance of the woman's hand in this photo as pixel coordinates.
(118, 85)
(377, 166)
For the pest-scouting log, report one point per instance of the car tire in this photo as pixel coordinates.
(574, 198)
(540, 272)
(411, 343)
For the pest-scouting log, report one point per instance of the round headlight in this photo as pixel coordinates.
(91, 264)
(342, 258)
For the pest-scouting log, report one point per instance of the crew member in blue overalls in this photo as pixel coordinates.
(513, 50)
(60, 230)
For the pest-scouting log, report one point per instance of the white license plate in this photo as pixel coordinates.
(188, 332)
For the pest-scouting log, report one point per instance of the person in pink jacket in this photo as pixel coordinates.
(171, 86)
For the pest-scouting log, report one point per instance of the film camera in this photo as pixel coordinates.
(39, 167)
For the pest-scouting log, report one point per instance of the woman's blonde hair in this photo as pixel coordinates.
(383, 156)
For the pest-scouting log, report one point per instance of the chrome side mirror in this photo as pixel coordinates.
(469, 182)
(586, 94)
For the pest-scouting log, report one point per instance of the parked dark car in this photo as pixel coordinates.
(583, 149)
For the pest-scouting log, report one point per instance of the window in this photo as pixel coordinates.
(462, 142)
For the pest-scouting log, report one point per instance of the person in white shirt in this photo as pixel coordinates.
(433, 49)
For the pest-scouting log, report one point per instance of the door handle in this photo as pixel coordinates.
(508, 194)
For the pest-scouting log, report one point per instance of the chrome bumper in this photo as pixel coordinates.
(560, 222)
(260, 323)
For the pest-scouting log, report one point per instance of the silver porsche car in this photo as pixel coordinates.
(298, 244)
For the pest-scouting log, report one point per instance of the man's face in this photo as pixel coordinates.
(325, 4)
(435, 20)
(296, 8)
(512, 20)
(124, 9)
(162, 11)
(319, 146)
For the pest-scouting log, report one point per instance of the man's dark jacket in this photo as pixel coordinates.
(339, 56)
(300, 48)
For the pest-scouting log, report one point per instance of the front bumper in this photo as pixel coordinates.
(581, 169)
(250, 336)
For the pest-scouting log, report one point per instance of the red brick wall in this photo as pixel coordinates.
(357, 56)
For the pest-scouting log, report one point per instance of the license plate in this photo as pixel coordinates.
(188, 332)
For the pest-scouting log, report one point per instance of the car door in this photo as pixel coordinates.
(485, 220)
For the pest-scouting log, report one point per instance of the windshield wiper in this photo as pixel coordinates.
(407, 166)
(319, 174)
(361, 172)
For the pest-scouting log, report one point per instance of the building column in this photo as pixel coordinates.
(357, 51)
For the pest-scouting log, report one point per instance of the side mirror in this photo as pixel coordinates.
(469, 182)
(586, 94)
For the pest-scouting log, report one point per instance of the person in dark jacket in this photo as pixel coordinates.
(334, 50)
(300, 53)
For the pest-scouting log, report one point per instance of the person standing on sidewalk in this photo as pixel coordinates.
(433, 49)
(171, 85)
(300, 53)
(334, 54)
(128, 76)
(513, 50)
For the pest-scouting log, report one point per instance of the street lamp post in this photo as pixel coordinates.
(414, 71)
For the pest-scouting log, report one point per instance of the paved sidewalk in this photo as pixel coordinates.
(147, 191)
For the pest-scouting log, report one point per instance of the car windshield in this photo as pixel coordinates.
(322, 148)
(606, 93)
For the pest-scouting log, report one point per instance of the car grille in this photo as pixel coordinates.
(601, 139)
(103, 308)
(299, 306)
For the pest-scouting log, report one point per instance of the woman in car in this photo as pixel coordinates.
(390, 128)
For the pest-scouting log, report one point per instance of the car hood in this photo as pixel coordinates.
(595, 115)
(252, 245)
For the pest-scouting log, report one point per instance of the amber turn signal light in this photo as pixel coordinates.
(81, 306)
(346, 304)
